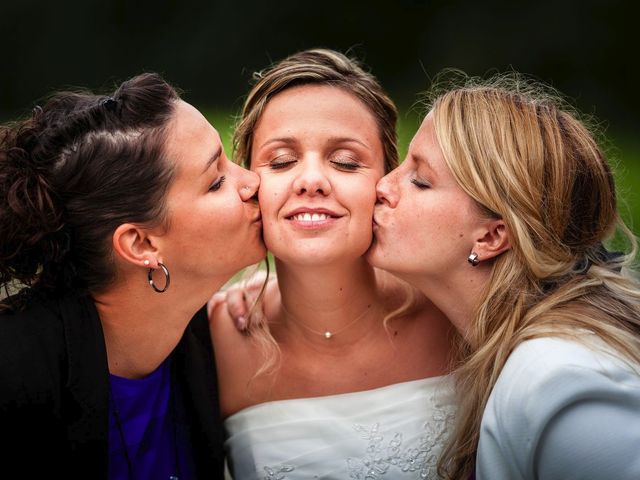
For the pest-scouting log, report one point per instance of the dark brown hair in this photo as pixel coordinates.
(81, 165)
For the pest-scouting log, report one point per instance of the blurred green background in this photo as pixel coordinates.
(209, 48)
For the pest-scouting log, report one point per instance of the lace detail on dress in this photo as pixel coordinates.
(277, 473)
(380, 456)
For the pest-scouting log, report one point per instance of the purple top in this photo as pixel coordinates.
(155, 443)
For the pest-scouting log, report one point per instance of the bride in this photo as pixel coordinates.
(347, 376)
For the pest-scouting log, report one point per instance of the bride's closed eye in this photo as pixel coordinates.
(282, 162)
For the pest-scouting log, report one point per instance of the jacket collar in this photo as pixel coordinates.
(87, 380)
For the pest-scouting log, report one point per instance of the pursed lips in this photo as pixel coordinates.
(256, 215)
(375, 222)
(379, 213)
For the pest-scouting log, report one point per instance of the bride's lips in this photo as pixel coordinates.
(310, 217)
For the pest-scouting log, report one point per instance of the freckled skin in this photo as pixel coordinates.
(422, 231)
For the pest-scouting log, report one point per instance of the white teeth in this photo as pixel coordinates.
(310, 217)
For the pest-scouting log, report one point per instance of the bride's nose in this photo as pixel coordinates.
(312, 180)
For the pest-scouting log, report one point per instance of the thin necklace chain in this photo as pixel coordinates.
(119, 426)
(328, 334)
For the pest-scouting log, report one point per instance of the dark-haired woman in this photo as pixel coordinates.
(121, 215)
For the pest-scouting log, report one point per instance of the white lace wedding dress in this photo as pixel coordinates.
(393, 432)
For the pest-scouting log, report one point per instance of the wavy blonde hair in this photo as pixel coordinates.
(525, 156)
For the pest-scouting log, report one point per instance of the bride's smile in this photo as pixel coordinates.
(319, 157)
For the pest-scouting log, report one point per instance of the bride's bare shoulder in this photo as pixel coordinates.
(240, 357)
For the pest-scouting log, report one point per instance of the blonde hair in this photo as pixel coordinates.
(524, 156)
(317, 67)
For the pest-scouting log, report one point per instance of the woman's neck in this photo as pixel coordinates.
(328, 301)
(456, 294)
(142, 327)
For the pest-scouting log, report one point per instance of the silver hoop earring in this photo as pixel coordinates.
(473, 259)
(167, 278)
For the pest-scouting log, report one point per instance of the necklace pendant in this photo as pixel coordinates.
(328, 334)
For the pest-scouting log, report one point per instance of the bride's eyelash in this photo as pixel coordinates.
(279, 165)
(345, 165)
(282, 161)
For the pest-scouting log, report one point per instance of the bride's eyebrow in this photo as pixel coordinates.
(339, 140)
(286, 140)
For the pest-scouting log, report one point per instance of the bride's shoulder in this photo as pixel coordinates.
(241, 355)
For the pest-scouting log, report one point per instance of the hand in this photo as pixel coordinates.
(240, 298)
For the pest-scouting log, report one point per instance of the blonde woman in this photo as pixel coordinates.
(498, 215)
(349, 395)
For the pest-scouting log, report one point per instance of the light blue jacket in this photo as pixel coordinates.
(562, 410)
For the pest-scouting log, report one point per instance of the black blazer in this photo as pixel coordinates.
(54, 392)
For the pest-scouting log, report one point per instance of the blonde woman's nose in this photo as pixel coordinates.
(386, 189)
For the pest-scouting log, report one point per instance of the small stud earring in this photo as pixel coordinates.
(473, 259)
(146, 263)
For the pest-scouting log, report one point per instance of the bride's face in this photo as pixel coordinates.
(319, 155)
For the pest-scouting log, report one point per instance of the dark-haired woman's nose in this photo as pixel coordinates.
(249, 184)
